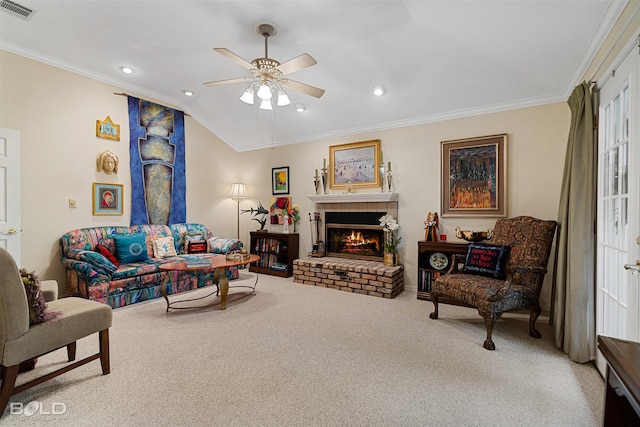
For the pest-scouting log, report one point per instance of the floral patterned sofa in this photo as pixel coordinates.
(94, 272)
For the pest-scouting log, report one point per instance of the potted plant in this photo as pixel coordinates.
(391, 241)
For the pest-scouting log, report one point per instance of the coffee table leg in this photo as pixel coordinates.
(224, 288)
(163, 289)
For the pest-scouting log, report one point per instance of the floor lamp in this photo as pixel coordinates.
(238, 192)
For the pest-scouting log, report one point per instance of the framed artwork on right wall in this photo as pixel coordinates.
(474, 173)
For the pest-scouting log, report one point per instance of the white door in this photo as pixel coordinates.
(617, 295)
(10, 226)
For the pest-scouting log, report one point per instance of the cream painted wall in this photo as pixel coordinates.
(56, 110)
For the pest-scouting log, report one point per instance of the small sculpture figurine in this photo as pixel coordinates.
(259, 210)
(431, 225)
(107, 162)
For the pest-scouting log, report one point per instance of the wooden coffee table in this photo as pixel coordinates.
(219, 264)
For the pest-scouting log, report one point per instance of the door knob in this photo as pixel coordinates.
(11, 230)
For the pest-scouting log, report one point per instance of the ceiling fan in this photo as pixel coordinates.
(269, 74)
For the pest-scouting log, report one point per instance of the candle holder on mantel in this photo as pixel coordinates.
(325, 180)
(316, 184)
(389, 180)
(382, 175)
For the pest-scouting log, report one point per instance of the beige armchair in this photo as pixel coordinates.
(21, 341)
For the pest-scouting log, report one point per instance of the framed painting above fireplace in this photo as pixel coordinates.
(474, 173)
(356, 164)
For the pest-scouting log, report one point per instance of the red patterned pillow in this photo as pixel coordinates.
(196, 246)
(107, 254)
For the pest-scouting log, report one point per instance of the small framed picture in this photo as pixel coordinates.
(107, 129)
(280, 180)
(107, 199)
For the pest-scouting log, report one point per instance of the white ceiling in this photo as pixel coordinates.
(437, 59)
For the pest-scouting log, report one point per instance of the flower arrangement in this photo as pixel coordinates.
(390, 226)
(294, 214)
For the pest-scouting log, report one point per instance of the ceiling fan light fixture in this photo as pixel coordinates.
(379, 90)
(264, 92)
(247, 96)
(266, 105)
(283, 98)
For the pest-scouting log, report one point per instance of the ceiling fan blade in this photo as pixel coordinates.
(232, 56)
(296, 64)
(229, 81)
(305, 88)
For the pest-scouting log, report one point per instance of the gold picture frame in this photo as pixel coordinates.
(107, 129)
(474, 176)
(357, 163)
(107, 199)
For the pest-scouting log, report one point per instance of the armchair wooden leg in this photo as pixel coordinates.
(535, 312)
(104, 352)
(489, 321)
(434, 299)
(71, 351)
(8, 383)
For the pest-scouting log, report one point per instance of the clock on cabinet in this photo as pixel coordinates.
(434, 259)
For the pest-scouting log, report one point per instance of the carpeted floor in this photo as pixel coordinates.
(297, 355)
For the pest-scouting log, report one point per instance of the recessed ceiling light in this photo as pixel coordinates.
(187, 92)
(379, 90)
(127, 70)
(300, 108)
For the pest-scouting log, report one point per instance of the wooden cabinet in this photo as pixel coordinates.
(434, 259)
(277, 252)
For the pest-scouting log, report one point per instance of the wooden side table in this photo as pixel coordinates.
(622, 393)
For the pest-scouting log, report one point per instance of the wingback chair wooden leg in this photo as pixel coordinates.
(489, 322)
(104, 352)
(434, 299)
(535, 312)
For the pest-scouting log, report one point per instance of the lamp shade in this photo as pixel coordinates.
(264, 92)
(266, 105)
(238, 191)
(247, 96)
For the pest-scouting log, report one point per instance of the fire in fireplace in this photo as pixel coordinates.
(354, 235)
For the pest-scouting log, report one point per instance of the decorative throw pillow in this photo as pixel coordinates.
(220, 245)
(196, 246)
(98, 261)
(37, 306)
(131, 247)
(104, 251)
(163, 247)
(486, 260)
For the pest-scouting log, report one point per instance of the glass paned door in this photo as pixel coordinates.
(617, 292)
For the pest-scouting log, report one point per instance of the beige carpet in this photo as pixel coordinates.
(297, 355)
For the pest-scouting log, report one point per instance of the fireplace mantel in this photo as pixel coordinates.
(354, 197)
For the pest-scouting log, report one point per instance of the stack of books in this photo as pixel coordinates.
(197, 261)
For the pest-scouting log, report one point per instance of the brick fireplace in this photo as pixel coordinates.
(353, 241)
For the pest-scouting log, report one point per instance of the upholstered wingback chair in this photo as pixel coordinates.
(520, 249)
(22, 341)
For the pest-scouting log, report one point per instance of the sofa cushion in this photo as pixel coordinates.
(98, 261)
(220, 245)
(486, 260)
(164, 247)
(131, 247)
(37, 305)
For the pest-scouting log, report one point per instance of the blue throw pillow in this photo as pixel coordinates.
(131, 247)
(486, 260)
